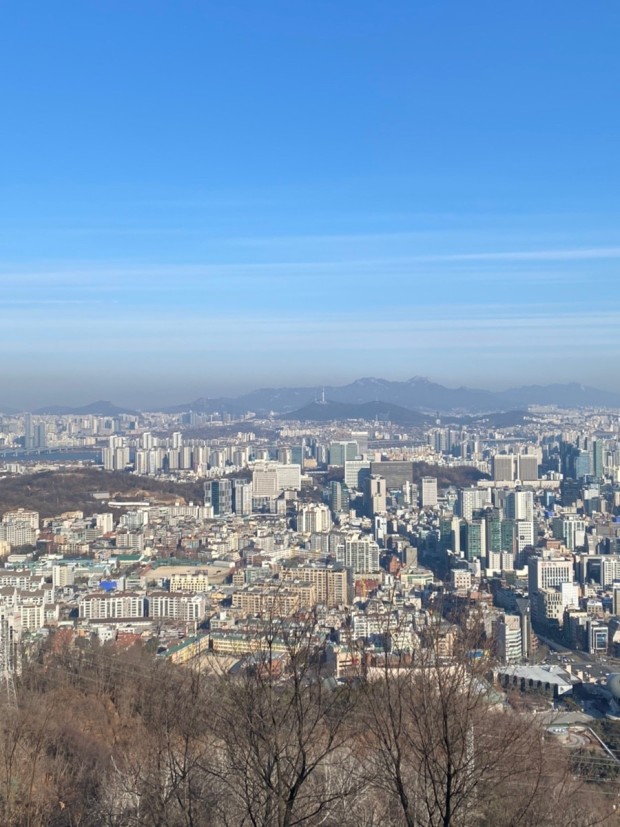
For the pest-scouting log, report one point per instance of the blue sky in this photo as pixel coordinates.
(200, 198)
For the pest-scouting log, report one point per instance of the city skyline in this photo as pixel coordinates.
(310, 413)
(203, 204)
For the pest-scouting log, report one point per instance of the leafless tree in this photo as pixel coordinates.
(438, 739)
(283, 728)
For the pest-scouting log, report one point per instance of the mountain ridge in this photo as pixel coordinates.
(99, 408)
(415, 394)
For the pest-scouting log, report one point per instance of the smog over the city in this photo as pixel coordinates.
(202, 201)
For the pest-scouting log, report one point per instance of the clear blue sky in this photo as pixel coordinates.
(205, 197)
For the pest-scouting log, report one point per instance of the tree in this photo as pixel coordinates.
(282, 727)
(447, 751)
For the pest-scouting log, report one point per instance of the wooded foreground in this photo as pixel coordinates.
(123, 739)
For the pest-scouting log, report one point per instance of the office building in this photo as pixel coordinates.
(338, 497)
(395, 472)
(503, 468)
(571, 529)
(375, 496)
(509, 639)
(355, 472)
(519, 505)
(340, 452)
(471, 500)
(429, 492)
(545, 574)
(474, 539)
(527, 467)
(218, 497)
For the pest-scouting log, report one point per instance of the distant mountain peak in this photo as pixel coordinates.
(369, 380)
(100, 408)
(419, 393)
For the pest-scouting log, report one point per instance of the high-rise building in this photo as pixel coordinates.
(395, 472)
(333, 584)
(375, 495)
(450, 534)
(471, 500)
(28, 432)
(429, 492)
(40, 435)
(526, 534)
(141, 463)
(241, 497)
(288, 477)
(339, 452)
(551, 589)
(218, 497)
(474, 538)
(359, 553)
(62, 576)
(527, 467)
(571, 529)
(546, 574)
(509, 536)
(265, 481)
(361, 440)
(520, 505)
(313, 518)
(355, 471)
(493, 533)
(583, 464)
(115, 457)
(503, 467)
(598, 457)
(509, 641)
(22, 515)
(338, 497)
(186, 459)
(117, 605)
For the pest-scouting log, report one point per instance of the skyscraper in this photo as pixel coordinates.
(503, 467)
(375, 495)
(527, 467)
(242, 497)
(429, 492)
(520, 505)
(28, 432)
(218, 497)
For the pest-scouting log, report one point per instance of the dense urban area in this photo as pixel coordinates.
(210, 618)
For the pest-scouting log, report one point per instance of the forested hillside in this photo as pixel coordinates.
(102, 738)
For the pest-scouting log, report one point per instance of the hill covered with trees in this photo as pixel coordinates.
(53, 492)
(110, 738)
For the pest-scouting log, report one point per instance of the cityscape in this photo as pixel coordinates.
(309, 414)
(214, 541)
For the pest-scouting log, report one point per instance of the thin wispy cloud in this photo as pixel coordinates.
(89, 273)
(587, 254)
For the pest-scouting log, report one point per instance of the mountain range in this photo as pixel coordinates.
(416, 394)
(100, 408)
